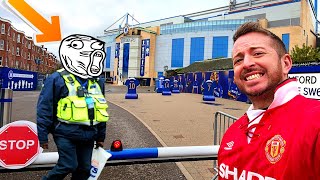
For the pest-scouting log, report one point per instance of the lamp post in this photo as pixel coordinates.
(165, 69)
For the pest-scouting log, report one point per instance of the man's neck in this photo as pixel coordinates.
(262, 101)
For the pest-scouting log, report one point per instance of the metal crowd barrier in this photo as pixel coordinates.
(5, 106)
(222, 122)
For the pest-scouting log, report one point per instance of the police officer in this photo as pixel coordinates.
(72, 107)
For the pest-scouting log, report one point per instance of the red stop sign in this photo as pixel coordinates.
(19, 145)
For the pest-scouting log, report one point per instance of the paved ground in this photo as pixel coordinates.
(178, 120)
(121, 125)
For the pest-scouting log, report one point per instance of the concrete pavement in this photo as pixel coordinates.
(177, 120)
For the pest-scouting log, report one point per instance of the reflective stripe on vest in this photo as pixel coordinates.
(73, 109)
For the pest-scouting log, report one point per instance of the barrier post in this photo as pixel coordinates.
(222, 121)
(5, 106)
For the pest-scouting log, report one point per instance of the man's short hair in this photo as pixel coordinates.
(256, 27)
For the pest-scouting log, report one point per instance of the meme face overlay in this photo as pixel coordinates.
(82, 55)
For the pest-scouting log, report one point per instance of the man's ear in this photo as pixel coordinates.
(286, 62)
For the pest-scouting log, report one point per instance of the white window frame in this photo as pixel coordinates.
(9, 30)
(18, 51)
(18, 38)
(12, 50)
(1, 44)
(3, 28)
(13, 36)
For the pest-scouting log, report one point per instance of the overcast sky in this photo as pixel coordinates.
(92, 17)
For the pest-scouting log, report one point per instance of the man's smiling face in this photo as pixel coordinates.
(258, 69)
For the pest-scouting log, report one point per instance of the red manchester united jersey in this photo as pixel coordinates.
(284, 146)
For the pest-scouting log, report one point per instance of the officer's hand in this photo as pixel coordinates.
(45, 145)
(99, 144)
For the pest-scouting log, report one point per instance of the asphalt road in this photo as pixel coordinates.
(122, 125)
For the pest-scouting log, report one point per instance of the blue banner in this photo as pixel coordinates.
(144, 52)
(18, 80)
(117, 50)
(147, 46)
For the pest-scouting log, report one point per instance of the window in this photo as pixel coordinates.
(8, 46)
(18, 38)
(6, 62)
(197, 49)
(3, 28)
(22, 40)
(18, 51)
(9, 31)
(177, 51)
(13, 36)
(28, 56)
(220, 47)
(12, 50)
(29, 45)
(1, 44)
(0, 61)
(17, 64)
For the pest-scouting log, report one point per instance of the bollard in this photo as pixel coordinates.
(5, 106)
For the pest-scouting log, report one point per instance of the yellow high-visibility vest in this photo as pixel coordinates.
(73, 109)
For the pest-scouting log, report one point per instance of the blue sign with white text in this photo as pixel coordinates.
(18, 80)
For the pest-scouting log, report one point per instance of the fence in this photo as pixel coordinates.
(222, 122)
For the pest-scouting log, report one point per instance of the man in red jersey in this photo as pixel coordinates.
(279, 136)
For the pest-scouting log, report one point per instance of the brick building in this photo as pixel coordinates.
(19, 51)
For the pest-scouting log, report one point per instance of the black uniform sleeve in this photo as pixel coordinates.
(101, 126)
(47, 105)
